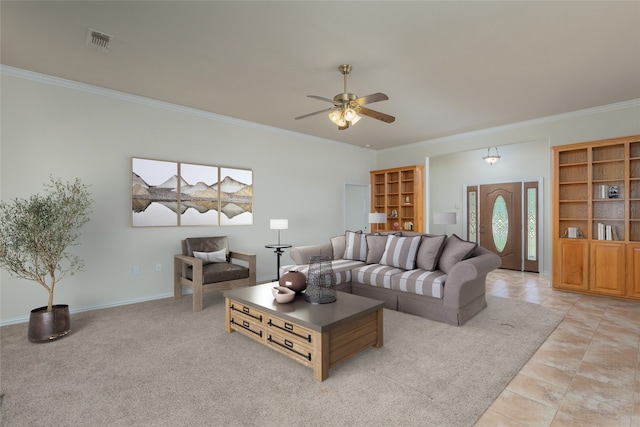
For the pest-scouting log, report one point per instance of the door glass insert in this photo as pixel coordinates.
(532, 223)
(500, 223)
(473, 217)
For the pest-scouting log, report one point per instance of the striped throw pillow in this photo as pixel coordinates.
(355, 246)
(401, 252)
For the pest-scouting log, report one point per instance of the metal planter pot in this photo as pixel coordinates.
(46, 325)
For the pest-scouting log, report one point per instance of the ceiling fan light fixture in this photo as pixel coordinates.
(350, 114)
(334, 116)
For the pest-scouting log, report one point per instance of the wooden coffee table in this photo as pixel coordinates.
(317, 335)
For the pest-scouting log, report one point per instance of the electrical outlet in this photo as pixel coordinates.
(135, 270)
(158, 267)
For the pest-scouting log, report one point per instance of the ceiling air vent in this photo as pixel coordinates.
(99, 40)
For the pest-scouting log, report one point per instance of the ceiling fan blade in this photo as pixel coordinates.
(322, 98)
(328, 110)
(370, 99)
(376, 115)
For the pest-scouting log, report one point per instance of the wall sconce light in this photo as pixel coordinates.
(491, 159)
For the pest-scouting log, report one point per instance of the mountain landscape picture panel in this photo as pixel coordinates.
(154, 193)
(199, 198)
(236, 196)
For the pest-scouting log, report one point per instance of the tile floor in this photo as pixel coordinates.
(585, 373)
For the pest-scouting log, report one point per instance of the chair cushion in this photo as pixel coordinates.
(420, 282)
(220, 272)
(429, 252)
(401, 252)
(207, 244)
(455, 250)
(209, 257)
(374, 275)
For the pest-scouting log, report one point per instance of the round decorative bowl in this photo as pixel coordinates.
(294, 280)
(282, 294)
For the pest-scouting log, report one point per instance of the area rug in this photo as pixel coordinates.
(158, 364)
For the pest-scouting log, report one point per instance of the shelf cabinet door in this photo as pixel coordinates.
(571, 265)
(608, 268)
(633, 270)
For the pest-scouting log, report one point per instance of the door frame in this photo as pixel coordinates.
(367, 204)
(541, 228)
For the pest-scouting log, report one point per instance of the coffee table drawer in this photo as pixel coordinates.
(236, 307)
(292, 331)
(291, 347)
(247, 325)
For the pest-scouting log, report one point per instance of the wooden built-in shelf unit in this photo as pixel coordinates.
(398, 193)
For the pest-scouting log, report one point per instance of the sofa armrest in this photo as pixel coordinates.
(301, 254)
(467, 279)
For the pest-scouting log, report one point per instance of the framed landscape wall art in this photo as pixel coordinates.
(165, 193)
(236, 196)
(154, 193)
(199, 198)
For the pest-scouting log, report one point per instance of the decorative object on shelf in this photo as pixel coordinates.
(396, 226)
(377, 218)
(408, 225)
(321, 283)
(491, 158)
(394, 213)
(446, 218)
(407, 200)
(573, 233)
(282, 294)
(279, 224)
(34, 236)
(613, 192)
(294, 280)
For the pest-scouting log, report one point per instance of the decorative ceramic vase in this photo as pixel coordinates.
(294, 280)
(46, 325)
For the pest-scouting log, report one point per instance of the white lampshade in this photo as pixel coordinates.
(377, 218)
(447, 218)
(279, 224)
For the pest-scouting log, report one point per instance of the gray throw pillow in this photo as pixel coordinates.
(401, 252)
(429, 252)
(375, 248)
(355, 246)
(455, 250)
(338, 245)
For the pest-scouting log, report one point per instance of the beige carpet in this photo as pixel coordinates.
(158, 364)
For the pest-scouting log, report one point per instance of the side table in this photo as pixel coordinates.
(278, 251)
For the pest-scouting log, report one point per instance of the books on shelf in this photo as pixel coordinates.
(606, 232)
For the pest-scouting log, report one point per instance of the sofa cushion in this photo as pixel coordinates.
(355, 246)
(420, 282)
(374, 275)
(220, 272)
(401, 252)
(341, 269)
(429, 252)
(375, 248)
(338, 244)
(455, 250)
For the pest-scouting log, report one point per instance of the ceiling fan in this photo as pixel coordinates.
(347, 107)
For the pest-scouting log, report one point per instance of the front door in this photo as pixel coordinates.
(501, 222)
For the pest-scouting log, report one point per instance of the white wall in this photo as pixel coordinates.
(524, 147)
(65, 129)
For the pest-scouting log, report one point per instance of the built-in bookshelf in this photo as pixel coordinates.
(398, 193)
(596, 217)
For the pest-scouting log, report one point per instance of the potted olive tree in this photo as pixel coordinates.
(35, 234)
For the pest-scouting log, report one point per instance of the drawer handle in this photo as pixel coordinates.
(245, 309)
(288, 326)
(288, 343)
(245, 323)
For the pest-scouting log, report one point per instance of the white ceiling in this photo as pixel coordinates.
(447, 67)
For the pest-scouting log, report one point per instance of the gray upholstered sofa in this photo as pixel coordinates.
(437, 277)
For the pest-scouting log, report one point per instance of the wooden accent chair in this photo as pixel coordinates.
(210, 268)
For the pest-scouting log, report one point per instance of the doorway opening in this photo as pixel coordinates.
(505, 219)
